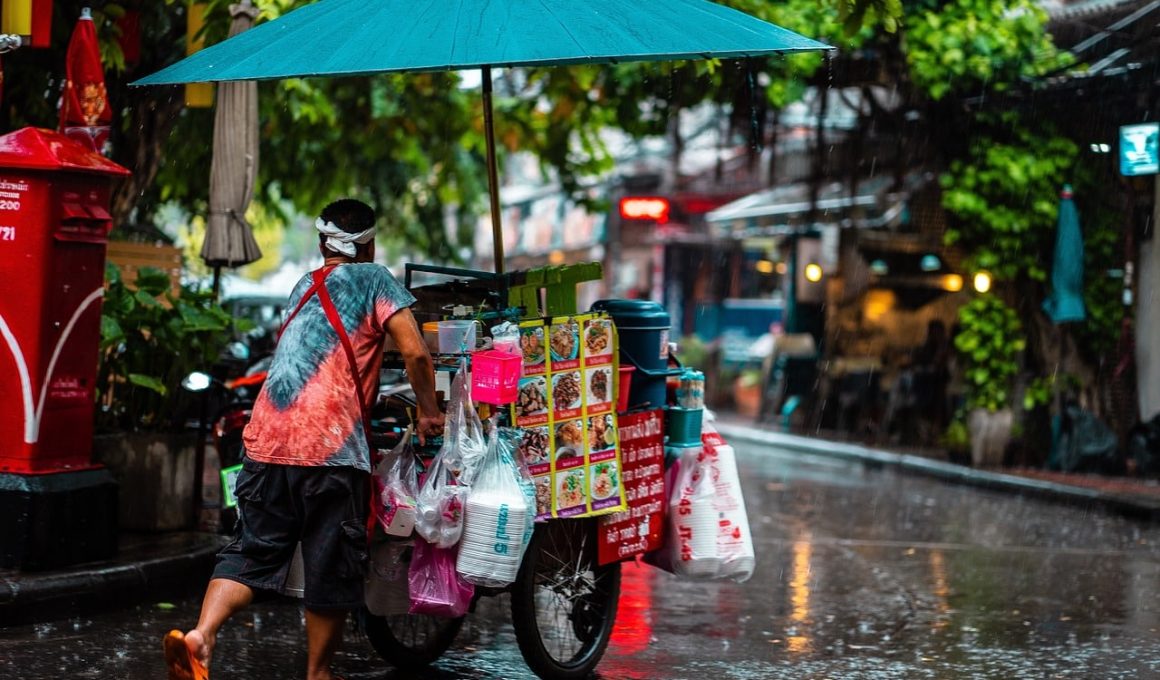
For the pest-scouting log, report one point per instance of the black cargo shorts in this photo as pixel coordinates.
(324, 507)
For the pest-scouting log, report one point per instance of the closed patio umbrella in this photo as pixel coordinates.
(356, 37)
(1065, 304)
(229, 240)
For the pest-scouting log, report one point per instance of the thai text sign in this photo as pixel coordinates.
(640, 528)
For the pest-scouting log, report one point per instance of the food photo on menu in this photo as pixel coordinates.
(601, 433)
(532, 399)
(597, 337)
(534, 446)
(599, 386)
(532, 345)
(543, 496)
(605, 485)
(564, 341)
(566, 391)
(571, 492)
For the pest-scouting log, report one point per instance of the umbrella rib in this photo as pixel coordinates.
(562, 24)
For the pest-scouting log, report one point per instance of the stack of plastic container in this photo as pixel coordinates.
(493, 538)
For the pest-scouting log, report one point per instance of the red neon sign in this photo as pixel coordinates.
(645, 208)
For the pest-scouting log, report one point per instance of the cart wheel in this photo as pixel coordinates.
(563, 602)
(409, 642)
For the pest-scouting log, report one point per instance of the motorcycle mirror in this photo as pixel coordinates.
(197, 381)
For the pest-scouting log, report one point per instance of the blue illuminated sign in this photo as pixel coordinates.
(1140, 149)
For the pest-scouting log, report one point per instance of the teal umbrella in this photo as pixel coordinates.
(1065, 303)
(359, 37)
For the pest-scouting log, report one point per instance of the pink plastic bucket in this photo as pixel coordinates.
(495, 376)
(624, 381)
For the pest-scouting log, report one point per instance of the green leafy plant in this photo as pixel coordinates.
(972, 45)
(150, 340)
(989, 343)
(1003, 199)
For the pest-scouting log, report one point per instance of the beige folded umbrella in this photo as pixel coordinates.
(229, 240)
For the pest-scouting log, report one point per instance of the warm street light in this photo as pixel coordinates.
(764, 267)
(813, 272)
(952, 283)
(982, 282)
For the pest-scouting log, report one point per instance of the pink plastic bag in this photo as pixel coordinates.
(435, 586)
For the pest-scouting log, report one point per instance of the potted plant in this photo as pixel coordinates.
(989, 344)
(151, 338)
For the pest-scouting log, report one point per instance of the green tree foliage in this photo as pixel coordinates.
(1003, 199)
(410, 144)
(968, 46)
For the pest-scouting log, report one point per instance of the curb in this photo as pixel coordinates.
(1127, 504)
(41, 596)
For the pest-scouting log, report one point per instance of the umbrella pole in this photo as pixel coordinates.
(492, 172)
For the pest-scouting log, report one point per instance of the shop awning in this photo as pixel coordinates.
(783, 210)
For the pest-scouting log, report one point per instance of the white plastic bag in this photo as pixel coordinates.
(497, 517)
(691, 531)
(734, 540)
(396, 485)
(439, 506)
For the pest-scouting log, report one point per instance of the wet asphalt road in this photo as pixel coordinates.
(862, 573)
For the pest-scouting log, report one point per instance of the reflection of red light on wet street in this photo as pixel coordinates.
(634, 625)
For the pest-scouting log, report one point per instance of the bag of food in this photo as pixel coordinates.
(396, 486)
(734, 540)
(435, 588)
(691, 531)
(498, 517)
(439, 505)
(464, 441)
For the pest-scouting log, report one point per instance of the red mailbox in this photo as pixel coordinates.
(58, 507)
(54, 225)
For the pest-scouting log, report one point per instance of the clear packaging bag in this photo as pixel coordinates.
(396, 486)
(439, 505)
(464, 443)
(435, 587)
(498, 517)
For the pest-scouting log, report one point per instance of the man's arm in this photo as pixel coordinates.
(420, 370)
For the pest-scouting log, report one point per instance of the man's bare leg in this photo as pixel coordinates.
(223, 598)
(323, 635)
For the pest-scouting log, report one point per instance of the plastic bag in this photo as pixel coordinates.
(386, 589)
(691, 531)
(396, 486)
(498, 517)
(439, 505)
(707, 530)
(734, 540)
(464, 445)
(508, 444)
(435, 587)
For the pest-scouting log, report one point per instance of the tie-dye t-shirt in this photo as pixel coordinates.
(307, 413)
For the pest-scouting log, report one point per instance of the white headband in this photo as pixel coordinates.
(341, 241)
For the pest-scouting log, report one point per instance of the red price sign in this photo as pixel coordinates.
(640, 528)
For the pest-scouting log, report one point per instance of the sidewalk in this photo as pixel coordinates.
(148, 567)
(1130, 496)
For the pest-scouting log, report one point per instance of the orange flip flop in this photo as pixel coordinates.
(179, 661)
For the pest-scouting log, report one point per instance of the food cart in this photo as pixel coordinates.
(595, 459)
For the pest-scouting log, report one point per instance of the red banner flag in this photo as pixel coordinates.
(84, 113)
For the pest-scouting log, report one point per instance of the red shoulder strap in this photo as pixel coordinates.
(318, 282)
(319, 287)
(336, 322)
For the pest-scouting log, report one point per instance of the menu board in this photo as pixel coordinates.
(565, 406)
(639, 528)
